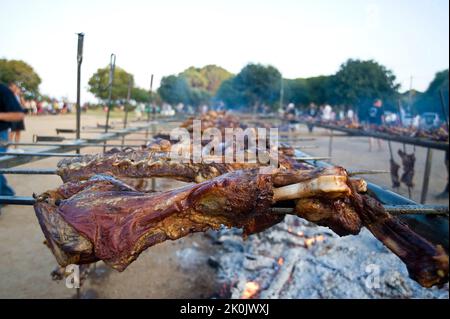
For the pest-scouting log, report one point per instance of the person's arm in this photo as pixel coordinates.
(12, 116)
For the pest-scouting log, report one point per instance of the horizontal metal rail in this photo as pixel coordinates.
(40, 154)
(386, 136)
(9, 160)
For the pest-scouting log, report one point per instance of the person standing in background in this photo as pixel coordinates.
(376, 118)
(10, 111)
(16, 127)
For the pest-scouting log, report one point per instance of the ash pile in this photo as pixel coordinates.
(297, 259)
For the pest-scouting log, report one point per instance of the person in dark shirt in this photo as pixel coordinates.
(10, 111)
(376, 113)
(375, 117)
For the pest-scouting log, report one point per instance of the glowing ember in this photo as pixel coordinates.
(280, 261)
(290, 229)
(320, 238)
(251, 288)
(309, 242)
(300, 233)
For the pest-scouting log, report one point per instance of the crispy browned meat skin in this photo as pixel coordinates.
(394, 174)
(427, 264)
(147, 163)
(337, 214)
(102, 218)
(120, 223)
(408, 161)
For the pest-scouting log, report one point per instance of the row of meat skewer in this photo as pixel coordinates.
(106, 211)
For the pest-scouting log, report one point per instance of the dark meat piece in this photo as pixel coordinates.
(103, 218)
(408, 161)
(394, 174)
(116, 224)
(427, 264)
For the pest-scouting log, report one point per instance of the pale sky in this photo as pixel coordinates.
(300, 38)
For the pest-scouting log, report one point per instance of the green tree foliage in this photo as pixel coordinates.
(296, 91)
(140, 95)
(21, 73)
(208, 78)
(98, 83)
(430, 100)
(255, 85)
(358, 83)
(175, 89)
(321, 89)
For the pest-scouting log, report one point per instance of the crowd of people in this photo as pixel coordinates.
(44, 106)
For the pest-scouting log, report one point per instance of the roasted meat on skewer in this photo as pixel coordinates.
(394, 174)
(105, 219)
(157, 162)
(408, 161)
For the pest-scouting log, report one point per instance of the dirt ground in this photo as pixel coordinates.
(172, 269)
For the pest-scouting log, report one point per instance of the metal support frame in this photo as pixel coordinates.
(9, 160)
(426, 176)
(443, 146)
(112, 67)
(125, 118)
(78, 105)
(330, 144)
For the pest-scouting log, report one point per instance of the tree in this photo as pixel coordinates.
(140, 95)
(296, 91)
(358, 83)
(98, 83)
(320, 89)
(430, 101)
(21, 73)
(253, 86)
(228, 94)
(174, 89)
(208, 78)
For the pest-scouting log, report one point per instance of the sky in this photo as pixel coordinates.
(301, 38)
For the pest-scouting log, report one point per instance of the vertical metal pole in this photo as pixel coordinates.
(112, 66)
(444, 108)
(400, 112)
(409, 188)
(281, 93)
(149, 105)
(125, 120)
(78, 106)
(330, 145)
(153, 108)
(426, 176)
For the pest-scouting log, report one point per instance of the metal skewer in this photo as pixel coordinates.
(312, 158)
(392, 209)
(28, 171)
(366, 172)
(74, 145)
(39, 154)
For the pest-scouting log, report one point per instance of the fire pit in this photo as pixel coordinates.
(297, 259)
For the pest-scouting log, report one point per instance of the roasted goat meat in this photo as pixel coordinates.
(104, 219)
(408, 161)
(156, 161)
(394, 173)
